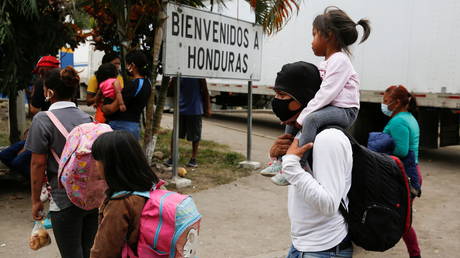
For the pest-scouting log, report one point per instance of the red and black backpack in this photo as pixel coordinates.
(379, 209)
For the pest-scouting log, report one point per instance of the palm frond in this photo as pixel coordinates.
(273, 14)
(194, 3)
(28, 8)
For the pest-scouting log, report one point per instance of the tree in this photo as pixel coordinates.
(273, 14)
(30, 29)
(133, 24)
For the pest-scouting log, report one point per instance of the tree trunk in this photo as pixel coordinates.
(121, 33)
(159, 112)
(13, 118)
(149, 134)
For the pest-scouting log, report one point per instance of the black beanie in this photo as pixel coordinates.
(301, 80)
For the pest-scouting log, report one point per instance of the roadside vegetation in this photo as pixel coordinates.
(217, 164)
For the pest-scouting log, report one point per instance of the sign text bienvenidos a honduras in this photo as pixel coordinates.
(203, 44)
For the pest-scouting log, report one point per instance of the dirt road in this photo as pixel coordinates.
(248, 218)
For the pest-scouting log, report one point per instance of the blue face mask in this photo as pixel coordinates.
(385, 110)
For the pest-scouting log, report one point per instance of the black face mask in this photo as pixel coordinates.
(281, 109)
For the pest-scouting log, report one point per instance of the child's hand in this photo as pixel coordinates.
(299, 151)
(122, 108)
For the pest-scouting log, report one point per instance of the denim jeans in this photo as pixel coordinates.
(327, 116)
(294, 253)
(17, 162)
(74, 230)
(132, 127)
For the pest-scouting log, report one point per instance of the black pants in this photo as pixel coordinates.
(190, 127)
(74, 230)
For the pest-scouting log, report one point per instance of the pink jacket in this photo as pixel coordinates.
(340, 86)
(107, 88)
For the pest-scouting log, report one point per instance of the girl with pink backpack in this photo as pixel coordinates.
(139, 218)
(74, 228)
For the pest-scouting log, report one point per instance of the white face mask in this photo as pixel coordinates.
(49, 95)
(385, 110)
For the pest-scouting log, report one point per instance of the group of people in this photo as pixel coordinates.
(118, 103)
(315, 159)
(74, 228)
(307, 100)
(119, 156)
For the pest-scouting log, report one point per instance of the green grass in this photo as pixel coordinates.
(217, 164)
(210, 154)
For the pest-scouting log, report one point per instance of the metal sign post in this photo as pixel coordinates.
(175, 136)
(248, 163)
(202, 44)
(249, 132)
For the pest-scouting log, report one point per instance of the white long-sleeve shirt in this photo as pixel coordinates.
(340, 86)
(314, 199)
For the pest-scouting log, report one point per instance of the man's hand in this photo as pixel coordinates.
(122, 108)
(281, 145)
(207, 113)
(299, 151)
(37, 210)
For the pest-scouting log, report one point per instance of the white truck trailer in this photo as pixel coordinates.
(412, 42)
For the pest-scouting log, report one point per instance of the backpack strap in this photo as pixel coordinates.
(55, 156)
(347, 134)
(57, 123)
(342, 208)
(127, 252)
(159, 184)
(122, 193)
(61, 129)
(145, 194)
(139, 86)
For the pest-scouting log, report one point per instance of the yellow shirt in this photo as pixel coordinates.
(93, 84)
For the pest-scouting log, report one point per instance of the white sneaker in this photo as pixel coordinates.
(280, 180)
(274, 168)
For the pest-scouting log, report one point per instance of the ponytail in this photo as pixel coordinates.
(138, 58)
(63, 82)
(70, 77)
(412, 106)
(336, 22)
(399, 92)
(366, 28)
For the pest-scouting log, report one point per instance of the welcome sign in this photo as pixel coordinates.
(204, 44)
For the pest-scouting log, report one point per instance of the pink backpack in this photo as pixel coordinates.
(77, 168)
(169, 226)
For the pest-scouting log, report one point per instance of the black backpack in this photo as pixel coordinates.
(379, 208)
